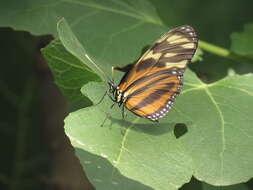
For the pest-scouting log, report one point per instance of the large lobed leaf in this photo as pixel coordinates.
(135, 153)
(216, 148)
(151, 154)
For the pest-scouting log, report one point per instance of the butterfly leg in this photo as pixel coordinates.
(122, 112)
(101, 99)
(102, 125)
(113, 104)
(111, 97)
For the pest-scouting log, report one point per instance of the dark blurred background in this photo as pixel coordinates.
(35, 153)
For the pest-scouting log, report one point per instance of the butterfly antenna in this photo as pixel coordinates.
(113, 74)
(97, 67)
(102, 125)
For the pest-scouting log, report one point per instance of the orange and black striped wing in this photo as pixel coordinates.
(154, 99)
(152, 84)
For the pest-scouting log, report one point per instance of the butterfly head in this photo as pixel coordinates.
(118, 96)
(112, 87)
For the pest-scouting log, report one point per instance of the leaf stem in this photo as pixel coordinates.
(214, 49)
(223, 52)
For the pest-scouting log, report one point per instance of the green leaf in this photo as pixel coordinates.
(242, 42)
(70, 74)
(135, 152)
(136, 148)
(71, 43)
(46, 13)
(220, 136)
(151, 154)
(133, 25)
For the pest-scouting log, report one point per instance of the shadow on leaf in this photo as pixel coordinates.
(152, 128)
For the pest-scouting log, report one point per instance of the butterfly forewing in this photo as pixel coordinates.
(153, 82)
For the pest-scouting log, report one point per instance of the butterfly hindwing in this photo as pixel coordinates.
(156, 98)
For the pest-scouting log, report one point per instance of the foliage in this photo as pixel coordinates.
(135, 153)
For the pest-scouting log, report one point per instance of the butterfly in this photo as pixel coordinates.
(149, 88)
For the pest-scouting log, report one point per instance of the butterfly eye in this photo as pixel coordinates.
(111, 87)
(111, 90)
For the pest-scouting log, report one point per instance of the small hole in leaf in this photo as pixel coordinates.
(180, 129)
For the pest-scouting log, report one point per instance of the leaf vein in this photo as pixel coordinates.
(70, 64)
(222, 128)
(122, 147)
(237, 88)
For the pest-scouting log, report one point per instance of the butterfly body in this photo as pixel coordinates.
(149, 88)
